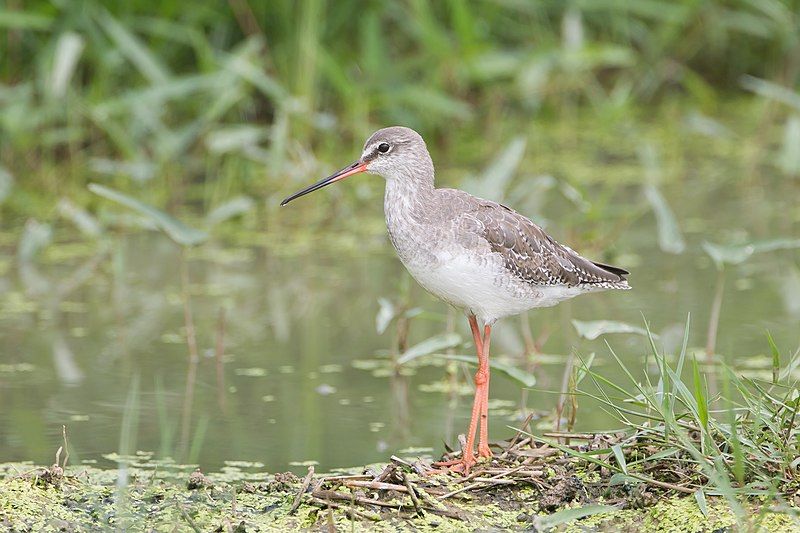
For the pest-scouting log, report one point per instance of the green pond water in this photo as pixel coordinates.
(91, 334)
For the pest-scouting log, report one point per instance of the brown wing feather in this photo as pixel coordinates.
(535, 257)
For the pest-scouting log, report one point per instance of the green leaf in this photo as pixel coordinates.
(21, 20)
(139, 171)
(68, 50)
(773, 245)
(131, 47)
(700, 496)
(82, 219)
(670, 238)
(773, 91)
(6, 182)
(433, 102)
(583, 369)
(727, 255)
(592, 329)
(496, 177)
(700, 396)
(235, 138)
(429, 346)
(35, 237)
(789, 159)
(386, 313)
(245, 63)
(525, 378)
(544, 523)
(130, 419)
(704, 125)
(739, 253)
(156, 95)
(669, 452)
(174, 228)
(232, 208)
(493, 64)
(776, 358)
(620, 457)
(622, 479)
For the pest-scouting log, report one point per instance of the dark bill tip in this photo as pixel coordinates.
(347, 171)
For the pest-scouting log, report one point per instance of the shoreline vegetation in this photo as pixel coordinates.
(189, 110)
(527, 486)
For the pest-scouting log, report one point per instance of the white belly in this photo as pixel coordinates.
(481, 285)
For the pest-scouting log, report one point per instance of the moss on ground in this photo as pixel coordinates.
(159, 498)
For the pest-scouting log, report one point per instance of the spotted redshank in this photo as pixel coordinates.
(477, 255)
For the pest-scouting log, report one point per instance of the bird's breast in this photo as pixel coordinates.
(415, 242)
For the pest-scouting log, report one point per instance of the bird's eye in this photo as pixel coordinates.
(383, 148)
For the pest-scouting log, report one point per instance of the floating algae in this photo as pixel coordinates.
(526, 486)
(86, 498)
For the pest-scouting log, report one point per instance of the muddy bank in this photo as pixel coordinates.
(143, 494)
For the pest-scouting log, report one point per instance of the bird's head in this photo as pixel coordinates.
(395, 153)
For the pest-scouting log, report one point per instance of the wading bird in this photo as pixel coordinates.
(477, 255)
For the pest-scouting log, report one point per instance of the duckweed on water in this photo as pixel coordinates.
(255, 372)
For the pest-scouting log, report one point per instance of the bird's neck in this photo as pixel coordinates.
(407, 205)
(408, 195)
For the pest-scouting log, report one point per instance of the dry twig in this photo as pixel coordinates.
(413, 495)
(303, 489)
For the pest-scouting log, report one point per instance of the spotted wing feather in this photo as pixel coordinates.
(535, 257)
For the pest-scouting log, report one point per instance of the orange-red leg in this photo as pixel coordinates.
(483, 438)
(479, 407)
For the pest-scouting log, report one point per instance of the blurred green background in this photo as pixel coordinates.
(660, 135)
(250, 96)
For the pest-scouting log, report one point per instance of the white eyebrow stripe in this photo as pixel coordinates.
(372, 149)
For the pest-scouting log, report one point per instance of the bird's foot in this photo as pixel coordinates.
(455, 466)
(484, 451)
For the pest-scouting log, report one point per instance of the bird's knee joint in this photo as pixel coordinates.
(481, 378)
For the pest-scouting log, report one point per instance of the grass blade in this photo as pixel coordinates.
(68, 50)
(700, 396)
(131, 47)
(429, 346)
(776, 358)
(700, 496)
(525, 378)
(670, 238)
(544, 523)
(620, 456)
(593, 329)
(174, 228)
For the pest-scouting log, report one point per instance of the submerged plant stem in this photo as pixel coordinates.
(713, 321)
(191, 342)
(219, 352)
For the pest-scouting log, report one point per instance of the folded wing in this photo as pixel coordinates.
(535, 257)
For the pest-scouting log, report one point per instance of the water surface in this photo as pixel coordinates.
(93, 332)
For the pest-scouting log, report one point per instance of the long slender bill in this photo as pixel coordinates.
(349, 170)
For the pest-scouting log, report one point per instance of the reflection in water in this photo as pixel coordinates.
(219, 353)
(64, 361)
(530, 358)
(194, 357)
(401, 421)
(451, 378)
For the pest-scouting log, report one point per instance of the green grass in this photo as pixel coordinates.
(741, 443)
(245, 96)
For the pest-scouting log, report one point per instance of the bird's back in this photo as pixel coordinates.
(528, 252)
